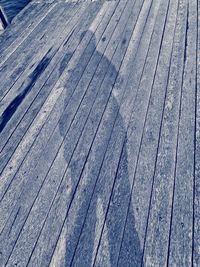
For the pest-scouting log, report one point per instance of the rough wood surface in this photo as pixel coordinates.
(100, 134)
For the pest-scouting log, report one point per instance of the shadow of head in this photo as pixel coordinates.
(67, 57)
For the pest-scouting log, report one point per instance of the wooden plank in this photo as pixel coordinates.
(181, 232)
(40, 143)
(100, 164)
(58, 173)
(34, 156)
(106, 179)
(196, 218)
(22, 25)
(158, 227)
(7, 175)
(22, 64)
(98, 107)
(42, 165)
(141, 158)
(96, 57)
(16, 64)
(27, 111)
(116, 218)
(90, 169)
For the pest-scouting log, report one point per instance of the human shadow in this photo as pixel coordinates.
(130, 252)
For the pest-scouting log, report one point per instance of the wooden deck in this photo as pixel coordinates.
(100, 134)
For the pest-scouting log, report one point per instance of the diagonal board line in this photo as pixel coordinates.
(57, 54)
(173, 234)
(11, 155)
(4, 58)
(195, 259)
(137, 164)
(18, 68)
(124, 141)
(178, 130)
(102, 33)
(91, 56)
(152, 186)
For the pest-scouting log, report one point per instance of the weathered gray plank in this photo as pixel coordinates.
(40, 143)
(158, 228)
(27, 63)
(100, 164)
(58, 158)
(142, 164)
(34, 155)
(85, 142)
(181, 234)
(27, 111)
(83, 194)
(112, 25)
(111, 46)
(116, 217)
(22, 25)
(13, 68)
(96, 216)
(196, 218)
(87, 136)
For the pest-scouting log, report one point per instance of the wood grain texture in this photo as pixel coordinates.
(99, 134)
(196, 218)
(181, 234)
(22, 25)
(158, 228)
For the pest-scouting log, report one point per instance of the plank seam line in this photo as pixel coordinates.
(31, 104)
(65, 173)
(53, 161)
(160, 134)
(68, 37)
(11, 87)
(159, 140)
(8, 56)
(123, 142)
(166, 16)
(195, 134)
(178, 131)
(49, 116)
(88, 43)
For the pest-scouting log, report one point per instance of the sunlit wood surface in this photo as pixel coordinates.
(100, 134)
